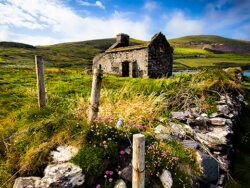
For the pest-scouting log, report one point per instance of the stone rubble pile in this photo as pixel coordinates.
(61, 173)
(212, 133)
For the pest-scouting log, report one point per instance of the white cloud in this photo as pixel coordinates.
(150, 5)
(179, 25)
(4, 33)
(97, 4)
(54, 22)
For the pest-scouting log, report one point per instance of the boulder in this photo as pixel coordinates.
(182, 116)
(209, 167)
(223, 109)
(213, 115)
(218, 121)
(119, 123)
(166, 179)
(120, 184)
(126, 173)
(63, 153)
(65, 175)
(27, 182)
(217, 137)
(177, 130)
(164, 136)
(190, 144)
(188, 129)
(160, 129)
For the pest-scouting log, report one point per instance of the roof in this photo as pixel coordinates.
(128, 48)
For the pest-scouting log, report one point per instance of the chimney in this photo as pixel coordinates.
(122, 39)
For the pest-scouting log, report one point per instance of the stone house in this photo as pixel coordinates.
(153, 59)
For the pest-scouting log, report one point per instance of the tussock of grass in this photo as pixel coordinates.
(136, 107)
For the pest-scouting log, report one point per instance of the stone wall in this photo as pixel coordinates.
(112, 62)
(160, 59)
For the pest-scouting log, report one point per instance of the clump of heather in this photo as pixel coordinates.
(107, 151)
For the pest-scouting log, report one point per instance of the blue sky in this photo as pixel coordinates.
(42, 22)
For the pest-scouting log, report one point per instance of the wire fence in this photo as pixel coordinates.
(68, 84)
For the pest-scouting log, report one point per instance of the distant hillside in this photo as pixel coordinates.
(15, 45)
(191, 52)
(211, 42)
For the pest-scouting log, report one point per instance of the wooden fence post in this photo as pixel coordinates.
(40, 81)
(138, 161)
(95, 94)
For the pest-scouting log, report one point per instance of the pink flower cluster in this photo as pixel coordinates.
(109, 172)
(136, 125)
(174, 158)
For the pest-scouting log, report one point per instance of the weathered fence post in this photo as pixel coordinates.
(95, 94)
(40, 81)
(138, 161)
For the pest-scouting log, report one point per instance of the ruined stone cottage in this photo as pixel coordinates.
(153, 59)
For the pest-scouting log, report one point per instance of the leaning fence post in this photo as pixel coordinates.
(40, 81)
(95, 94)
(138, 161)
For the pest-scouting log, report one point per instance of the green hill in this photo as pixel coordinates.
(189, 52)
(15, 45)
(199, 41)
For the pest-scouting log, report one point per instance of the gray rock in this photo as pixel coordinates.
(120, 184)
(160, 129)
(210, 168)
(230, 115)
(216, 138)
(195, 122)
(65, 175)
(218, 121)
(229, 123)
(240, 98)
(203, 119)
(177, 130)
(190, 144)
(119, 123)
(166, 179)
(223, 109)
(227, 100)
(213, 115)
(164, 136)
(63, 153)
(126, 173)
(182, 116)
(188, 128)
(204, 115)
(27, 182)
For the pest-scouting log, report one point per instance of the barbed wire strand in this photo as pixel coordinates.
(42, 124)
(7, 181)
(37, 89)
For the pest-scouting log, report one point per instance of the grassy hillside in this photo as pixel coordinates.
(80, 54)
(72, 54)
(196, 40)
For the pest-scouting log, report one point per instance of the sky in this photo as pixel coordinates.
(44, 22)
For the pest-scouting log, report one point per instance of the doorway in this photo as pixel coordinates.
(135, 70)
(125, 69)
